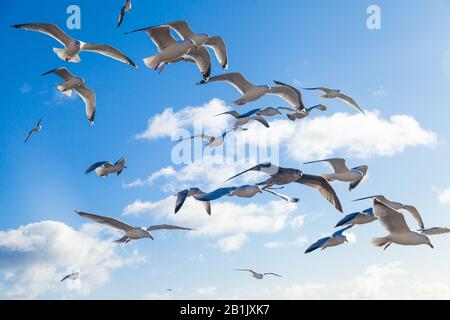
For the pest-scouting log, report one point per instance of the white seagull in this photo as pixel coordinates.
(334, 93)
(73, 47)
(78, 84)
(216, 43)
(342, 173)
(305, 113)
(213, 141)
(334, 240)
(394, 222)
(37, 128)
(251, 92)
(105, 168)
(72, 276)
(131, 233)
(173, 51)
(125, 8)
(259, 276)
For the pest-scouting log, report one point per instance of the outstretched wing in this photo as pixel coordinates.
(61, 72)
(216, 194)
(321, 185)
(181, 198)
(167, 227)
(49, 29)
(340, 232)
(111, 222)
(416, 215)
(289, 93)
(236, 79)
(261, 120)
(267, 167)
(107, 51)
(271, 274)
(96, 165)
(218, 45)
(337, 164)
(89, 100)
(352, 103)
(202, 60)
(318, 244)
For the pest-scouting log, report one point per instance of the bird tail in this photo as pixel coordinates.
(152, 62)
(291, 117)
(379, 242)
(63, 91)
(61, 53)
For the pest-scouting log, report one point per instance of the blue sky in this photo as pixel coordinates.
(402, 70)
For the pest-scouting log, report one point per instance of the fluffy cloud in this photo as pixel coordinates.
(208, 291)
(443, 195)
(33, 259)
(232, 243)
(300, 242)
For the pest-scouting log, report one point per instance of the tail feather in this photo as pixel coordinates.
(379, 242)
(63, 91)
(61, 53)
(291, 117)
(152, 62)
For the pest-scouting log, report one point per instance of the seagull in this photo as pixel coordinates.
(334, 93)
(173, 51)
(216, 43)
(72, 276)
(434, 231)
(73, 47)
(363, 217)
(398, 206)
(78, 84)
(283, 176)
(257, 275)
(125, 8)
(37, 128)
(336, 239)
(342, 173)
(305, 113)
(105, 168)
(191, 192)
(243, 119)
(394, 222)
(213, 141)
(131, 233)
(250, 92)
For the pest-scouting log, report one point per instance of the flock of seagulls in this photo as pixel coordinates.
(189, 46)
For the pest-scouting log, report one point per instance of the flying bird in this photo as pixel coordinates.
(37, 128)
(305, 113)
(434, 231)
(105, 168)
(334, 93)
(363, 217)
(72, 276)
(125, 8)
(342, 173)
(72, 47)
(173, 51)
(216, 43)
(131, 233)
(283, 176)
(213, 141)
(251, 92)
(257, 275)
(399, 206)
(334, 240)
(78, 84)
(243, 119)
(394, 222)
(194, 193)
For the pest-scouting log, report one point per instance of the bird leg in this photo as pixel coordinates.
(386, 246)
(161, 69)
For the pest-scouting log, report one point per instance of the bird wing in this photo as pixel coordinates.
(214, 195)
(88, 97)
(247, 270)
(347, 219)
(271, 274)
(263, 167)
(29, 135)
(391, 219)
(340, 232)
(282, 196)
(96, 165)
(114, 223)
(416, 215)
(236, 79)
(181, 198)
(316, 245)
(233, 113)
(289, 93)
(338, 165)
(39, 122)
(262, 120)
(49, 29)
(61, 72)
(202, 60)
(352, 103)
(220, 50)
(166, 227)
(121, 161)
(248, 114)
(434, 231)
(107, 51)
(182, 28)
(321, 184)
(121, 15)
(201, 136)
(323, 89)
(66, 277)
(363, 171)
(160, 35)
(207, 206)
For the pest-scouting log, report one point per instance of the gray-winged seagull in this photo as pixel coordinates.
(334, 93)
(125, 8)
(334, 240)
(72, 276)
(305, 113)
(243, 119)
(213, 141)
(105, 168)
(37, 128)
(259, 276)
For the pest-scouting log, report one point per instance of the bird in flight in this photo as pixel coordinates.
(334, 240)
(37, 128)
(105, 168)
(125, 8)
(337, 94)
(259, 276)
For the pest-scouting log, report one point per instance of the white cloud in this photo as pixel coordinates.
(208, 291)
(164, 172)
(299, 242)
(34, 258)
(380, 92)
(26, 88)
(232, 243)
(443, 195)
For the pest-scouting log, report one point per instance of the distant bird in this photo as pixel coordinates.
(78, 84)
(125, 8)
(72, 276)
(334, 240)
(283, 176)
(305, 113)
(399, 206)
(73, 47)
(243, 119)
(342, 173)
(394, 222)
(194, 193)
(216, 43)
(213, 141)
(434, 231)
(170, 290)
(250, 92)
(173, 51)
(257, 275)
(131, 233)
(334, 93)
(105, 168)
(37, 128)
(363, 217)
